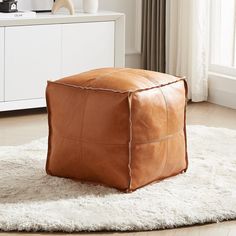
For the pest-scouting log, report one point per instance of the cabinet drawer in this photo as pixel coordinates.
(32, 56)
(87, 46)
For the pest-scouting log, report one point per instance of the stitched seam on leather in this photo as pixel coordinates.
(125, 144)
(160, 179)
(93, 80)
(82, 122)
(130, 140)
(91, 142)
(113, 90)
(132, 72)
(50, 132)
(107, 74)
(89, 88)
(167, 118)
(185, 132)
(161, 139)
(167, 128)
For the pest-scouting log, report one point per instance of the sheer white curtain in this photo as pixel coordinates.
(187, 44)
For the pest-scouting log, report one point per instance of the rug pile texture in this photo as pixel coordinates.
(32, 201)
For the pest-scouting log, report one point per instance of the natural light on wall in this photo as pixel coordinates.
(223, 37)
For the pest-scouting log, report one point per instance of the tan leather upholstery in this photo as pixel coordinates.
(123, 128)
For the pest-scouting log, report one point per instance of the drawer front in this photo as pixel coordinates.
(87, 46)
(1, 64)
(32, 56)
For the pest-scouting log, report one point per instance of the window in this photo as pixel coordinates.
(223, 37)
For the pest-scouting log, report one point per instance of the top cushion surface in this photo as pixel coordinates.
(121, 80)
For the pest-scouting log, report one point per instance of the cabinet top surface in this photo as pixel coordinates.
(61, 18)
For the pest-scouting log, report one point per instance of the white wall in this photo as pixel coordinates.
(132, 9)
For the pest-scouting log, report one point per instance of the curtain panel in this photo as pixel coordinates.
(153, 35)
(187, 44)
(175, 40)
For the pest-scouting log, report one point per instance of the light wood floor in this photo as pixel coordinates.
(21, 127)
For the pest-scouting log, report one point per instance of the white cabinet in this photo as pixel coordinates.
(49, 47)
(86, 46)
(1, 64)
(32, 56)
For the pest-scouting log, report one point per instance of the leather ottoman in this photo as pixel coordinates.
(123, 128)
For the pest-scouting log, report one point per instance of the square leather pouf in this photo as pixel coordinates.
(123, 128)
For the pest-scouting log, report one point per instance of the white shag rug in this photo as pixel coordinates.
(32, 201)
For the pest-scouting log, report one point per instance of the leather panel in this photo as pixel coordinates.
(148, 162)
(149, 116)
(105, 118)
(82, 161)
(175, 101)
(157, 160)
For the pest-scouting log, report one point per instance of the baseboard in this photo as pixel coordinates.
(22, 104)
(222, 90)
(222, 98)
